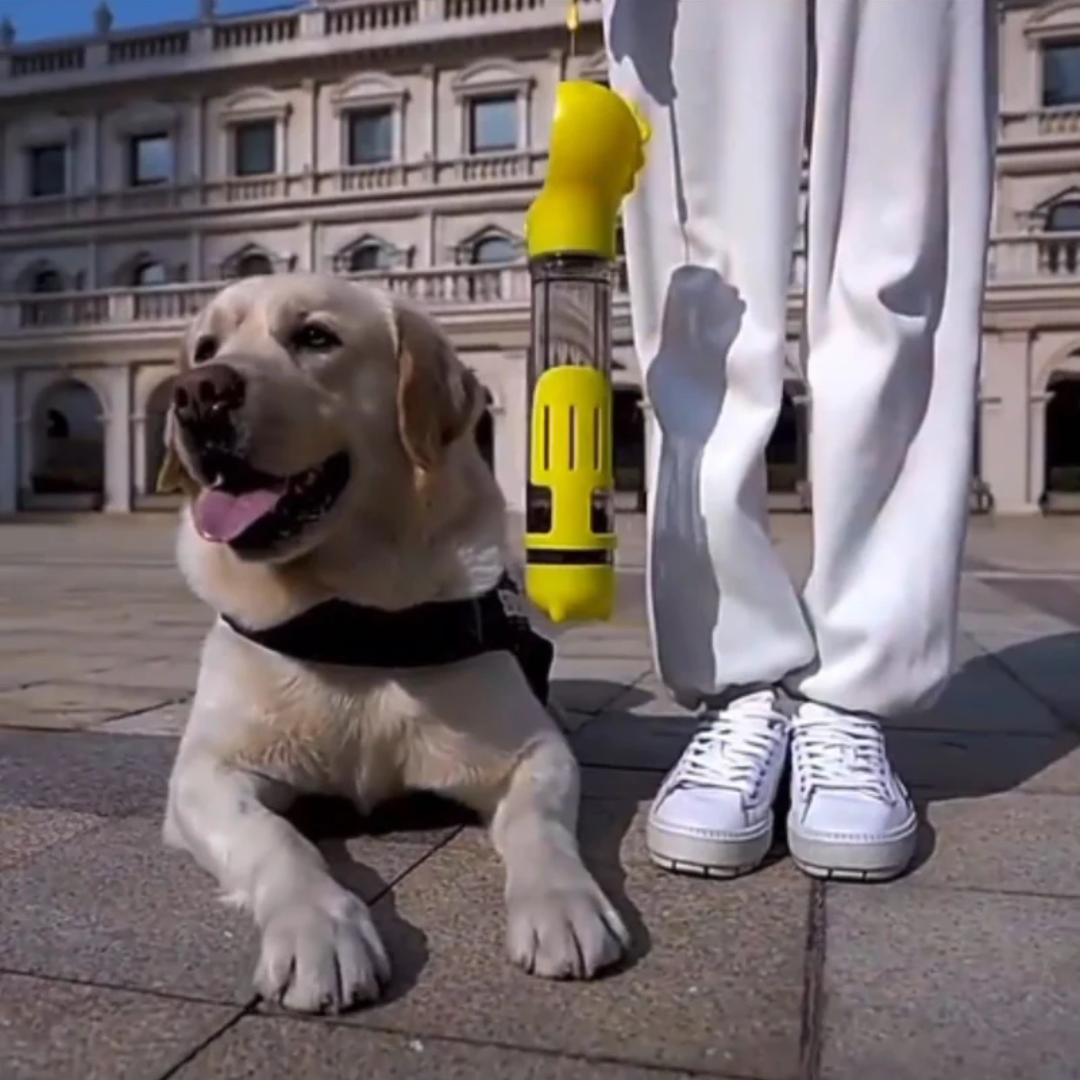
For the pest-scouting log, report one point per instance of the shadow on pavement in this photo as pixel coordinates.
(967, 762)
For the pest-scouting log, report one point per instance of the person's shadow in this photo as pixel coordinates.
(946, 754)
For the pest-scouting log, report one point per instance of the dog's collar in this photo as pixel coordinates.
(428, 635)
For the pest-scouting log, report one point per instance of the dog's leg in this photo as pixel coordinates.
(320, 949)
(561, 925)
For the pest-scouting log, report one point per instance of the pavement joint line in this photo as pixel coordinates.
(141, 991)
(811, 1033)
(915, 883)
(500, 1044)
(98, 727)
(190, 1056)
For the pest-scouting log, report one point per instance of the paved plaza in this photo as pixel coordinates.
(118, 962)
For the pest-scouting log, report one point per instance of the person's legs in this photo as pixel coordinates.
(709, 235)
(901, 166)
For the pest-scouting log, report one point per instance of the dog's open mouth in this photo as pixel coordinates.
(254, 511)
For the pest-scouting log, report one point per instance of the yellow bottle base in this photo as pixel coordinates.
(572, 593)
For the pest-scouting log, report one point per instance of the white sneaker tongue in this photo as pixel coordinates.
(221, 517)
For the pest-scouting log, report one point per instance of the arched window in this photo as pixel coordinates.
(148, 274)
(47, 280)
(253, 264)
(1064, 217)
(1061, 254)
(368, 257)
(491, 250)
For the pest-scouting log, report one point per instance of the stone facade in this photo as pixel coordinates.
(402, 140)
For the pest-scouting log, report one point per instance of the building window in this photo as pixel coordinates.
(47, 166)
(150, 160)
(255, 148)
(47, 281)
(253, 264)
(493, 124)
(370, 136)
(1064, 217)
(1061, 74)
(492, 250)
(148, 274)
(366, 258)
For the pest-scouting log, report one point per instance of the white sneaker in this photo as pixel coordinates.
(713, 814)
(851, 816)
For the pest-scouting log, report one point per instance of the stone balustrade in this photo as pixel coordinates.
(499, 170)
(1023, 260)
(214, 43)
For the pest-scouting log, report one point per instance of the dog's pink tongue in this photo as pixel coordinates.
(221, 517)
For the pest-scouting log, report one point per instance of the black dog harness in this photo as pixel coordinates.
(428, 635)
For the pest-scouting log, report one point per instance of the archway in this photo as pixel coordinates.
(157, 410)
(68, 456)
(484, 433)
(628, 448)
(1062, 453)
(785, 453)
(485, 438)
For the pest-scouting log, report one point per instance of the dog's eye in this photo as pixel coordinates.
(205, 349)
(312, 337)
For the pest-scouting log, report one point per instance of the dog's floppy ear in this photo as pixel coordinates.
(172, 477)
(438, 399)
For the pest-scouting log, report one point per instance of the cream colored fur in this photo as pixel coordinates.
(422, 519)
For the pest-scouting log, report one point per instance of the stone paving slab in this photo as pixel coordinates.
(932, 984)
(65, 918)
(708, 989)
(52, 1030)
(277, 1049)
(112, 776)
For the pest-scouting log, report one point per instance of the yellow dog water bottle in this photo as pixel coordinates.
(597, 145)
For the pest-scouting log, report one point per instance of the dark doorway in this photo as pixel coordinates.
(1062, 478)
(628, 438)
(786, 453)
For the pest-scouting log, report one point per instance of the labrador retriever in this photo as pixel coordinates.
(321, 431)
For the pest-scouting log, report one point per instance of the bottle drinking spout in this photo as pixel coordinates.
(597, 148)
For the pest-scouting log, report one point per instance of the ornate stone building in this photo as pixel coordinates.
(402, 140)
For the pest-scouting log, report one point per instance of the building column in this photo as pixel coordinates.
(1012, 424)
(9, 442)
(118, 448)
(511, 418)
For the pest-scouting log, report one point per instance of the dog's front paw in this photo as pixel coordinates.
(564, 928)
(322, 955)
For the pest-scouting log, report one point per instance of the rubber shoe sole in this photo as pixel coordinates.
(846, 860)
(704, 855)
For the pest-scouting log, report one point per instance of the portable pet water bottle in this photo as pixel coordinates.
(597, 149)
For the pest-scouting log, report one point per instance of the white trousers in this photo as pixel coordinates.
(900, 96)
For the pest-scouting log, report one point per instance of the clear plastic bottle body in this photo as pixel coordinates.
(571, 327)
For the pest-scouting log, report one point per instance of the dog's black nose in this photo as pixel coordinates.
(208, 396)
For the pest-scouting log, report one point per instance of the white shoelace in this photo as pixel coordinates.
(731, 749)
(837, 752)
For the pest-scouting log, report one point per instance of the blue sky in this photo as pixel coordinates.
(37, 19)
